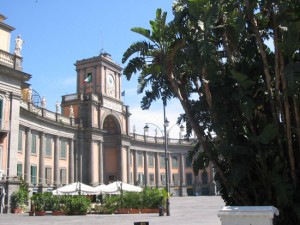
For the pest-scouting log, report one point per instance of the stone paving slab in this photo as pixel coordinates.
(183, 211)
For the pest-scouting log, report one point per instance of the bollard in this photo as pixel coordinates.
(161, 210)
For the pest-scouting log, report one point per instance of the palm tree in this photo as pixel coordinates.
(150, 60)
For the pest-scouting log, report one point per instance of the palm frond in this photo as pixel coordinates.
(141, 47)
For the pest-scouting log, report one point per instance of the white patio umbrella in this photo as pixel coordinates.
(101, 188)
(75, 189)
(118, 186)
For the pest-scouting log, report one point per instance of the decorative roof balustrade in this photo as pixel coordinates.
(11, 60)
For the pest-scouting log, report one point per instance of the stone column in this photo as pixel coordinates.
(80, 153)
(182, 176)
(28, 145)
(101, 163)
(157, 166)
(76, 161)
(169, 169)
(120, 163)
(56, 161)
(91, 164)
(12, 155)
(128, 164)
(71, 161)
(182, 171)
(94, 80)
(135, 167)
(146, 169)
(41, 173)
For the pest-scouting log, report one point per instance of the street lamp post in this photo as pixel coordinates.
(165, 134)
(166, 123)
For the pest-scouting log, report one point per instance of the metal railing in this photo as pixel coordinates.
(158, 140)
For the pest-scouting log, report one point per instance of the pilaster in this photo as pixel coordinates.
(27, 155)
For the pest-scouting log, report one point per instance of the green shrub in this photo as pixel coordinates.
(76, 204)
(38, 201)
(111, 203)
(152, 198)
(56, 203)
(48, 200)
(149, 198)
(132, 200)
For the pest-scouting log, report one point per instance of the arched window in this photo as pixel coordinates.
(110, 125)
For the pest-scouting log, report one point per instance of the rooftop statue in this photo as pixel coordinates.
(18, 45)
(43, 102)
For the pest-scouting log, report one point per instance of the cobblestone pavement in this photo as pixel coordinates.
(183, 211)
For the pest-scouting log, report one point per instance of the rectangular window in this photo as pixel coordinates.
(33, 174)
(19, 169)
(163, 178)
(189, 178)
(140, 179)
(33, 144)
(175, 177)
(48, 147)
(63, 176)
(48, 175)
(174, 162)
(151, 179)
(151, 160)
(20, 141)
(188, 161)
(63, 149)
(162, 161)
(140, 159)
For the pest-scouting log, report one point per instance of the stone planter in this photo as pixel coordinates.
(134, 211)
(17, 210)
(149, 210)
(57, 213)
(122, 211)
(40, 213)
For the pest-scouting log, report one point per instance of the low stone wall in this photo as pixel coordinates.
(245, 215)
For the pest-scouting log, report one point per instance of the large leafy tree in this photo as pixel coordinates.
(217, 62)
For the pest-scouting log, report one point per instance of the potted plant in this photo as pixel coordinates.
(19, 198)
(76, 205)
(39, 204)
(57, 206)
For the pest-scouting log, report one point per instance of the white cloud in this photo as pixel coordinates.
(154, 115)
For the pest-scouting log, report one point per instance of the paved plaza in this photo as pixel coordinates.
(184, 211)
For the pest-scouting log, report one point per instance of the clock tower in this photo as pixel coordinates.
(102, 120)
(99, 75)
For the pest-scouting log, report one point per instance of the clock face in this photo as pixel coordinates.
(110, 81)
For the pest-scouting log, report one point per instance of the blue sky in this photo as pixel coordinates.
(59, 32)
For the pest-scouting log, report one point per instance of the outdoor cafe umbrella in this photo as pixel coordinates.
(116, 188)
(75, 189)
